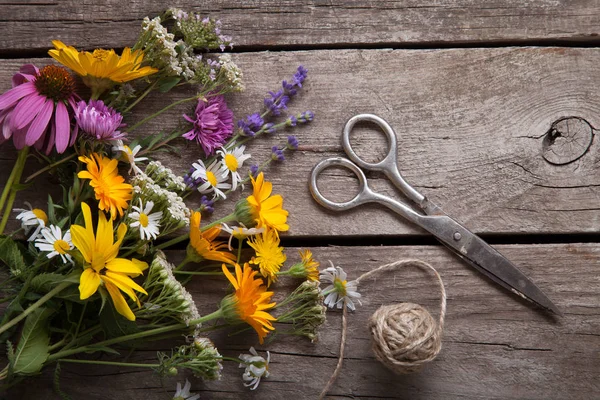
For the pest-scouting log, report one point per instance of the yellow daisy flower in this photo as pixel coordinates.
(251, 300)
(267, 210)
(203, 242)
(110, 188)
(102, 69)
(269, 255)
(310, 266)
(102, 267)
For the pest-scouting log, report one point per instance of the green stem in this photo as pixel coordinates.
(239, 254)
(118, 364)
(10, 187)
(146, 92)
(197, 273)
(156, 114)
(227, 218)
(133, 336)
(49, 167)
(34, 306)
(172, 241)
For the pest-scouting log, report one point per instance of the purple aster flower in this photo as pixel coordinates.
(254, 169)
(277, 154)
(213, 124)
(99, 122)
(37, 110)
(207, 205)
(292, 143)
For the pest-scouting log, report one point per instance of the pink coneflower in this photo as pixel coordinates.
(35, 112)
(99, 122)
(213, 124)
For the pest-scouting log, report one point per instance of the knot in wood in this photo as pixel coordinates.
(567, 140)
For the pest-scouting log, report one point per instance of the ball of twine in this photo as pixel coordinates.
(405, 335)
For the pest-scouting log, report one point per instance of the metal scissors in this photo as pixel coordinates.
(453, 235)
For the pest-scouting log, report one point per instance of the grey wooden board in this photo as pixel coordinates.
(30, 25)
(494, 346)
(471, 126)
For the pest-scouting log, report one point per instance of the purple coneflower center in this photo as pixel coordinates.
(55, 83)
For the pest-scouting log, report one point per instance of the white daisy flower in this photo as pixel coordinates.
(232, 161)
(147, 223)
(129, 155)
(214, 178)
(339, 289)
(32, 218)
(184, 394)
(53, 241)
(256, 367)
(240, 232)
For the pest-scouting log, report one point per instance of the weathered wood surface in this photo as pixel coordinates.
(494, 345)
(472, 126)
(31, 24)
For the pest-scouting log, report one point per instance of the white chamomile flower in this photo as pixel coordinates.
(184, 394)
(232, 161)
(256, 367)
(146, 222)
(129, 155)
(214, 178)
(32, 218)
(339, 289)
(53, 241)
(240, 232)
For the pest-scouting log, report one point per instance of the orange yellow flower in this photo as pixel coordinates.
(101, 69)
(310, 265)
(203, 242)
(110, 188)
(269, 255)
(251, 300)
(267, 210)
(101, 265)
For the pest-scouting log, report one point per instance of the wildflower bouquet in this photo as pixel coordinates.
(91, 276)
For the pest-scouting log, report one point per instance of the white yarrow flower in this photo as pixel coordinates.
(339, 289)
(129, 155)
(214, 178)
(184, 393)
(55, 243)
(232, 161)
(256, 368)
(148, 223)
(30, 219)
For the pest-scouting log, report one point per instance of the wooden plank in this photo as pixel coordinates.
(471, 126)
(494, 346)
(31, 25)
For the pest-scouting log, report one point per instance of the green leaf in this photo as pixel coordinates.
(32, 350)
(114, 324)
(11, 256)
(43, 283)
(167, 84)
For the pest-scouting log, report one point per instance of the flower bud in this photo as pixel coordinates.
(243, 213)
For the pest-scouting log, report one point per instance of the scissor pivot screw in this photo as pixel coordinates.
(457, 236)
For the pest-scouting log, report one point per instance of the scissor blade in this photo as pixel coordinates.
(485, 259)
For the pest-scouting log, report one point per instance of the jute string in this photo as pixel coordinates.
(405, 335)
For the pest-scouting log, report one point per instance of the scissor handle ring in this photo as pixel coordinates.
(361, 197)
(390, 160)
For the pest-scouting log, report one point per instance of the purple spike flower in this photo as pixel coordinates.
(292, 142)
(99, 122)
(37, 110)
(251, 124)
(207, 205)
(213, 124)
(277, 154)
(254, 169)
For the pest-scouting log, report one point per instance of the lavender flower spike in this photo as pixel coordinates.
(99, 122)
(213, 124)
(277, 154)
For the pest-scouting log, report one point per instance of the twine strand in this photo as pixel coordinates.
(405, 335)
